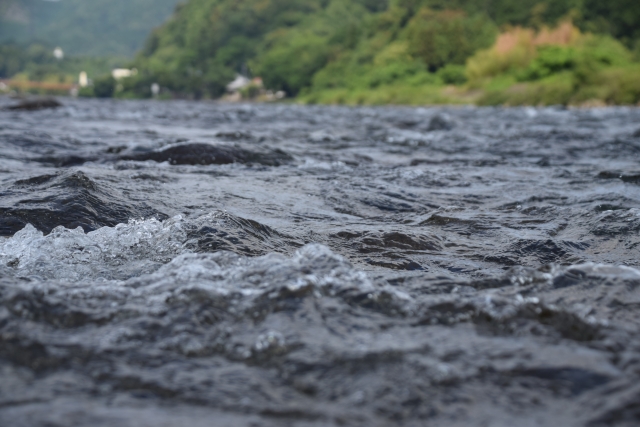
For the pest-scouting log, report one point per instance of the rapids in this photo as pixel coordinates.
(191, 263)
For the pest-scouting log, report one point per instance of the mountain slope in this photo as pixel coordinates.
(297, 45)
(84, 27)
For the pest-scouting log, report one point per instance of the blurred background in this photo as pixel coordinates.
(484, 52)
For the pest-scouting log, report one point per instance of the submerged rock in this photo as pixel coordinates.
(631, 176)
(208, 154)
(440, 122)
(35, 104)
(70, 199)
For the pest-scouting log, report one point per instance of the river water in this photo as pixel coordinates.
(183, 263)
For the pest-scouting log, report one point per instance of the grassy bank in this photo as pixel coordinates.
(551, 66)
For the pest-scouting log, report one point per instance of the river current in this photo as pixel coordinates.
(200, 264)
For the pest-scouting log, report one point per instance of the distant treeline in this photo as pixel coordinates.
(310, 48)
(36, 63)
(377, 52)
(83, 27)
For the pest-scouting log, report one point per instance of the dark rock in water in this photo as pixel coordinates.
(64, 161)
(392, 250)
(407, 124)
(70, 199)
(35, 104)
(233, 135)
(440, 122)
(636, 134)
(632, 177)
(207, 154)
(222, 231)
(544, 162)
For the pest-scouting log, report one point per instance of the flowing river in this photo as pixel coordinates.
(200, 264)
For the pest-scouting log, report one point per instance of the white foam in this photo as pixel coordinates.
(110, 253)
(151, 259)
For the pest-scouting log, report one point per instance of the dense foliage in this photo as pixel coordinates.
(83, 27)
(347, 50)
(368, 51)
(36, 62)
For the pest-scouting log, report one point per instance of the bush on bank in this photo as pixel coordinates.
(559, 66)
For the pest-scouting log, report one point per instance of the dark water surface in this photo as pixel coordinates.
(194, 264)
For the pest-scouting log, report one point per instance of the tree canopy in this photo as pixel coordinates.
(297, 45)
(83, 27)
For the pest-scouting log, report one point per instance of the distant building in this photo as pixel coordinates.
(244, 88)
(83, 79)
(238, 84)
(123, 73)
(58, 53)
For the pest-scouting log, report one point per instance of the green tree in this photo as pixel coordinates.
(619, 18)
(302, 46)
(448, 37)
(104, 87)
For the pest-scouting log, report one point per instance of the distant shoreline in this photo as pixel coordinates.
(222, 101)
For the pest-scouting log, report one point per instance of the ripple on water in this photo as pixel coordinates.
(323, 266)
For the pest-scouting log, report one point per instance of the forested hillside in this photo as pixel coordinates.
(374, 51)
(83, 27)
(346, 51)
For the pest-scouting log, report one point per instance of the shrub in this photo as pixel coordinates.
(453, 74)
(291, 65)
(104, 87)
(558, 91)
(621, 85)
(380, 76)
(550, 60)
(512, 50)
(86, 92)
(251, 92)
(516, 48)
(447, 37)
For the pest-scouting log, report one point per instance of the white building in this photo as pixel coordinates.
(123, 73)
(58, 53)
(238, 84)
(83, 79)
